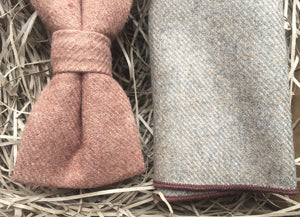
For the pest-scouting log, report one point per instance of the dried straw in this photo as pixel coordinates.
(25, 70)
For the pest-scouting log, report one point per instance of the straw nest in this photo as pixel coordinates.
(26, 69)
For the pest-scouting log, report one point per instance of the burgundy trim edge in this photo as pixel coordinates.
(242, 188)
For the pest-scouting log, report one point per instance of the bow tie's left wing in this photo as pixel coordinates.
(59, 14)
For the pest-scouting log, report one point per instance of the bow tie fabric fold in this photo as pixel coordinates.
(221, 103)
(81, 132)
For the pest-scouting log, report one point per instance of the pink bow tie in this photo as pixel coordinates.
(81, 132)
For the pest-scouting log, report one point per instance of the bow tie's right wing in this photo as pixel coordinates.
(105, 16)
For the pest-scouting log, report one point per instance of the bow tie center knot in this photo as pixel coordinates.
(80, 52)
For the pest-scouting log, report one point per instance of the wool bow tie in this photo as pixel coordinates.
(81, 132)
(221, 103)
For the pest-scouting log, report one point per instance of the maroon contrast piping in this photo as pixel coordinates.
(242, 188)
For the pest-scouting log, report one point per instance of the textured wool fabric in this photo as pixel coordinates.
(81, 132)
(221, 101)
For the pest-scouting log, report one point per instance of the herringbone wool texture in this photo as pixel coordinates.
(81, 132)
(221, 103)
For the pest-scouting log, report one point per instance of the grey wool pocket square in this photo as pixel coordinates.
(221, 101)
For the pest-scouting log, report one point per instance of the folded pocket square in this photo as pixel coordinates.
(221, 102)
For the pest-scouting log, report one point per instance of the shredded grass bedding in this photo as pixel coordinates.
(25, 70)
